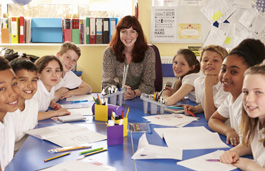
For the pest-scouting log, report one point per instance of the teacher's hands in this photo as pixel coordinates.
(129, 93)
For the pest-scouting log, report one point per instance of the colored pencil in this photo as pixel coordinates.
(56, 157)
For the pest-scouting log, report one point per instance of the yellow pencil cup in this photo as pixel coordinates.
(101, 112)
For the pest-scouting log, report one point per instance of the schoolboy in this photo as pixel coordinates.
(70, 84)
(9, 97)
(26, 73)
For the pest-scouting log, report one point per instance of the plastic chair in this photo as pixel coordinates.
(158, 69)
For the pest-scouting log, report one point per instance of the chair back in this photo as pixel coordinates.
(158, 69)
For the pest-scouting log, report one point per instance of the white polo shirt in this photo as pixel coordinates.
(219, 95)
(7, 138)
(189, 79)
(232, 110)
(70, 81)
(257, 147)
(43, 96)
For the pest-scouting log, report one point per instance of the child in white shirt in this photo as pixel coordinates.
(186, 68)
(49, 70)
(9, 97)
(208, 89)
(26, 73)
(248, 53)
(70, 84)
(252, 123)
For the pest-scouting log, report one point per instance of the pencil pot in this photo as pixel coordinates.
(124, 122)
(115, 135)
(119, 110)
(100, 112)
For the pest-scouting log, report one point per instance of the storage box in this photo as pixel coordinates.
(47, 30)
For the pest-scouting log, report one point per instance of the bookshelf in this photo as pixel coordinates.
(49, 44)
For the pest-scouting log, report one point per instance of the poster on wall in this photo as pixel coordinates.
(189, 31)
(163, 24)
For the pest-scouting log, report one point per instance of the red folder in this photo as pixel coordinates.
(21, 29)
(67, 35)
(92, 31)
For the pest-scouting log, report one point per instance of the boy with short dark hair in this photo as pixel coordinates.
(26, 73)
(9, 103)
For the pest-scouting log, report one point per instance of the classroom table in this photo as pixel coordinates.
(33, 152)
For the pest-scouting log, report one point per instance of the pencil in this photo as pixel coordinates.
(191, 113)
(95, 152)
(99, 99)
(72, 148)
(94, 100)
(127, 113)
(96, 149)
(213, 160)
(56, 157)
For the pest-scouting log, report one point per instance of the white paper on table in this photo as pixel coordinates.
(88, 97)
(71, 117)
(170, 119)
(148, 151)
(75, 105)
(200, 163)
(193, 138)
(83, 111)
(188, 130)
(67, 135)
(79, 165)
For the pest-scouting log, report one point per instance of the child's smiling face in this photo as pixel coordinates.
(51, 74)
(254, 96)
(27, 81)
(232, 74)
(9, 92)
(211, 63)
(180, 66)
(69, 60)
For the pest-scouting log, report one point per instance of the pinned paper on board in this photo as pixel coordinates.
(189, 31)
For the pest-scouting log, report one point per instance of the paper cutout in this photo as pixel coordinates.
(217, 15)
(148, 151)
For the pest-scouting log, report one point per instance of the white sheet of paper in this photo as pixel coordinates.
(200, 163)
(73, 165)
(52, 131)
(67, 135)
(148, 151)
(88, 97)
(189, 130)
(75, 105)
(170, 119)
(71, 117)
(248, 16)
(193, 138)
(83, 111)
(215, 37)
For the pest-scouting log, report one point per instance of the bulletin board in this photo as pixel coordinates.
(219, 22)
(190, 25)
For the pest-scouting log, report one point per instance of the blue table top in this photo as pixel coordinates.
(33, 152)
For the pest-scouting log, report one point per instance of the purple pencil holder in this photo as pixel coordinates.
(115, 135)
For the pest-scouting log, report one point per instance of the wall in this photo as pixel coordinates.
(90, 61)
